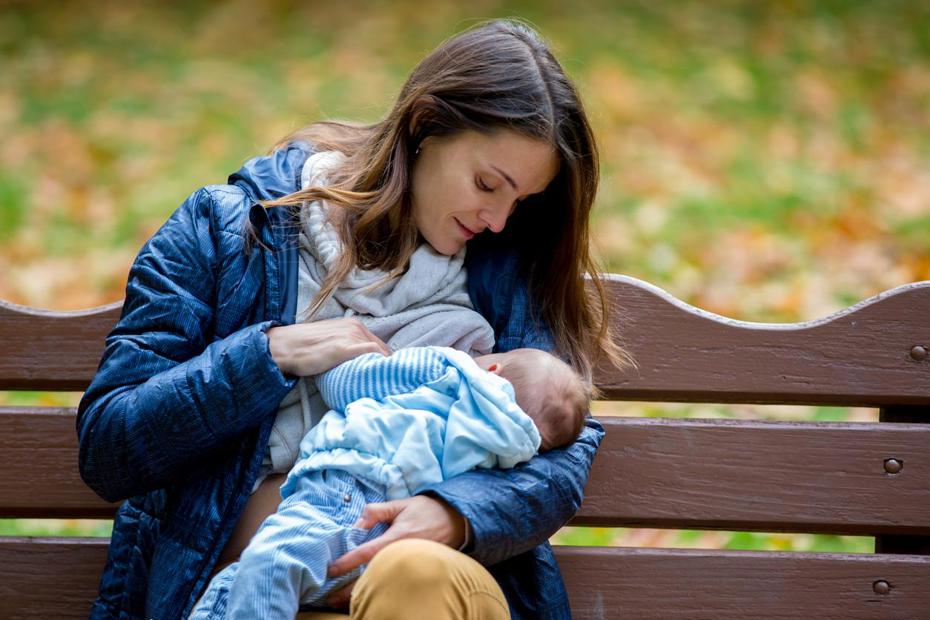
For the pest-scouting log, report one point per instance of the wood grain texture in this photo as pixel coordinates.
(722, 474)
(57, 578)
(676, 584)
(49, 577)
(45, 350)
(763, 476)
(860, 356)
(39, 461)
(649, 472)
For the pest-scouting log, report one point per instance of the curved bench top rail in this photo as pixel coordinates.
(47, 350)
(700, 474)
(864, 355)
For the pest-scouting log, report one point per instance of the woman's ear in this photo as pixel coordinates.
(420, 117)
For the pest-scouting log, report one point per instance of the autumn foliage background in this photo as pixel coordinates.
(768, 161)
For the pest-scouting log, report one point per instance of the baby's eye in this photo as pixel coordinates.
(482, 185)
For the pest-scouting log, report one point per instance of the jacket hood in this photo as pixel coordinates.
(269, 177)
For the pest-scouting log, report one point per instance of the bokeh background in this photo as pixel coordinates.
(767, 161)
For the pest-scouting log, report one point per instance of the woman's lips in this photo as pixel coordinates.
(465, 231)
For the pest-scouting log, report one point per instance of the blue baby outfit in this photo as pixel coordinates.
(431, 414)
(397, 425)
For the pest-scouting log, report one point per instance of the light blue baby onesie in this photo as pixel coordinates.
(396, 425)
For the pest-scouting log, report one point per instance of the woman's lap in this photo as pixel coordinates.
(425, 579)
(416, 578)
(403, 582)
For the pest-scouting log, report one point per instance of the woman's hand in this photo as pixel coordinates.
(306, 349)
(420, 516)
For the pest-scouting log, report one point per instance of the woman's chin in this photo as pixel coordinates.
(451, 251)
(447, 247)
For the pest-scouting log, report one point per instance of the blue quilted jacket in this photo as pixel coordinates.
(177, 417)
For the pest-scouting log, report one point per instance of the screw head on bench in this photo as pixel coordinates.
(918, 353)
(893, 466)
(881, 587)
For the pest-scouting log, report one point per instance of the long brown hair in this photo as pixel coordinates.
(496, 75)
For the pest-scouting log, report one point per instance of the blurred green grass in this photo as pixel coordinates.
(56, 527)
(766, 161)
(699, 539)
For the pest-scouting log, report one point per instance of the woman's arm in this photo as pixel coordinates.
(510, 511)
(166, 393)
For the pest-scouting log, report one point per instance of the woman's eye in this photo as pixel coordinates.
(482, 186)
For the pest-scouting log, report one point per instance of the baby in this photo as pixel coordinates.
(397, 424)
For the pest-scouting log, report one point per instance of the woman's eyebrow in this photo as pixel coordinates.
(506, 176)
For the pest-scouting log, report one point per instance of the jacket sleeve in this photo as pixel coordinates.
(511, 511)
(167, 392)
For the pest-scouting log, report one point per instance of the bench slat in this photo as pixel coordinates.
(762, 476)
(676, 584)
(39, 461)
(722, 474)
(49, 577)
(58, 578)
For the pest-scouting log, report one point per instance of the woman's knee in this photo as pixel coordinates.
(422, 575)
(417, 563)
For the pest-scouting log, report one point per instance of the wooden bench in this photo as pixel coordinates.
(869, 479)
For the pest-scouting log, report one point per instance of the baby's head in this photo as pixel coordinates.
(547, 389)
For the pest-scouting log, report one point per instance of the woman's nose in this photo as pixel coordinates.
(494, 217)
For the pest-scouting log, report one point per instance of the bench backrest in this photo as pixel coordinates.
(845, 478)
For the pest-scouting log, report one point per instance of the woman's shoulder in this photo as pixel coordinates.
(267, 177)
(272, 176)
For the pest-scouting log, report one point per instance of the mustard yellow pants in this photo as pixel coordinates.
(413, 579)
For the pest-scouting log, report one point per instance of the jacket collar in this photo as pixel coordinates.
(268, 178)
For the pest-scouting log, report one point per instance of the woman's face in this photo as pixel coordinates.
(470, 181)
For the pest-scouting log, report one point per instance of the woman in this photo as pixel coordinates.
(487, 145)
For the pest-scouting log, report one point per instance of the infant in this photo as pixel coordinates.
(397, 424)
